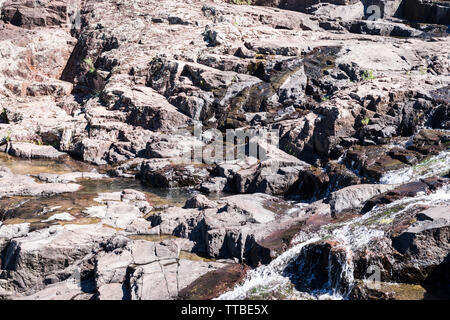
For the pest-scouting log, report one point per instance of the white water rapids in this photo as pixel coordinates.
(435, 166)
(270, 280)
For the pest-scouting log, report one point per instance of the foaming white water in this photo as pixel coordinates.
(435, 166)
(351, 235)
(267, 276)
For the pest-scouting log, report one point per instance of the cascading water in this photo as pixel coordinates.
(435, 166)
(270, 280)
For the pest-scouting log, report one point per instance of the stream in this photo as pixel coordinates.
(277, 279)
(36, 209)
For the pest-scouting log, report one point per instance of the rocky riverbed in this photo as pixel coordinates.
(100, 105)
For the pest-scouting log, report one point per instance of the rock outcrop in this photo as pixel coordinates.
(324, 122)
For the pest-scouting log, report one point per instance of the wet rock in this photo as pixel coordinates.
(415, 255)
(406, 190)
(388, 291)
(374, 161)
(383, 28)
(213, 283)
(406, 241)
(320, 266)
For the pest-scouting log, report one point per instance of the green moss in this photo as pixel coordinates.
(365, 121)
(90, 64)
(367, 75)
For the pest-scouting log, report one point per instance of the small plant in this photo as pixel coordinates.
(367, 75)
(325, 98)
(8, 136)
(423, 71)
(90, 64)
(365, 121)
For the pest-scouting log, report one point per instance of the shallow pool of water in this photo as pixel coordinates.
(35, 209)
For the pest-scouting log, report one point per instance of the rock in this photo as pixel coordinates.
(213, 283)
(230, 230)
(62, 248)
(65, 216)
(146, 270)
(382, 28)
(19, 185)
(434, 213)
(354, 102)
(199, 201)
(324, 265)
(387, 291)
(33, 151)
(212, 37)
(354, 197)
(64, 290)
(215, 184)
(69, 177)
(430, 12)
(9, 231)
(28, 15)
(173, 176)
(429, 142)
(375, 161)
(406, 190)
(122, 210)
(144, 107)
(409, 240)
